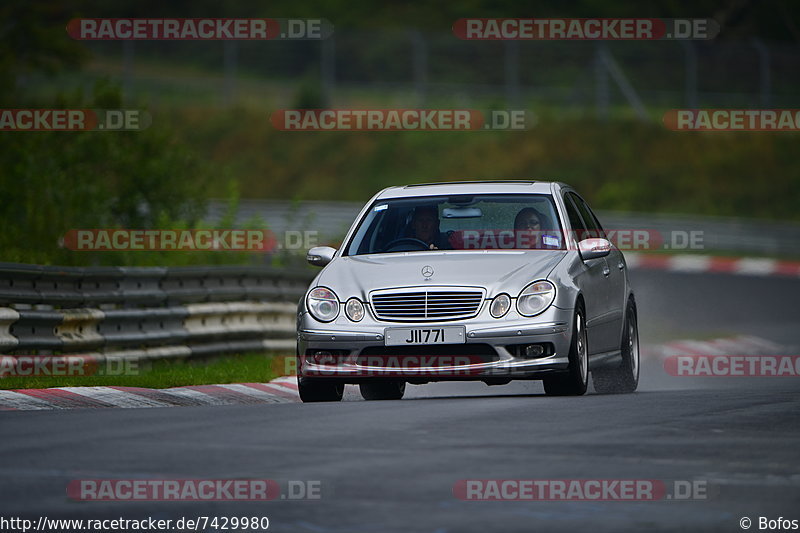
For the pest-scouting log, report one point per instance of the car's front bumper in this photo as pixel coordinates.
(489, 354)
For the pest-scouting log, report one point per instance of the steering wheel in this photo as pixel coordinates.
(417, 245)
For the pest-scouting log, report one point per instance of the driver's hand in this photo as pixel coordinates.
(432, 247)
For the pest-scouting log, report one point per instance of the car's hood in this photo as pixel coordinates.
(497, 271)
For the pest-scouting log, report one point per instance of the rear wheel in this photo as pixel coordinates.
(320, 390)
(625, 377)
(576, 379)
(383, 390)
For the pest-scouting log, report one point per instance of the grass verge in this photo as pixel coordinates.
(240, 368)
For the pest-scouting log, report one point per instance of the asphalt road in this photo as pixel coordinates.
(392, 466)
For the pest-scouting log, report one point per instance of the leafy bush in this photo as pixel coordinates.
(57, 181)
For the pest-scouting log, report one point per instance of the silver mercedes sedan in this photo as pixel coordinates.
(481, 280)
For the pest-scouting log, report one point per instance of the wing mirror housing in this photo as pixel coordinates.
(594, 248)
(320, 255)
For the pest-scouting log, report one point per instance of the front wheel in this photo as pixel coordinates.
(576, 379)
(383, 390)
(319, 390)
(625, 377)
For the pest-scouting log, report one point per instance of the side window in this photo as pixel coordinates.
(596, 221)
(575, 221)
(593, 228)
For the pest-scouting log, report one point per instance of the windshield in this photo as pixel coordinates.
(463, 222)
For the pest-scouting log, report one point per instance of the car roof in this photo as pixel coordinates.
(468, 187)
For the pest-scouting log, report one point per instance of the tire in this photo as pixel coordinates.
(625, 377)
(320, 390)
(575, 381)
(383, 390)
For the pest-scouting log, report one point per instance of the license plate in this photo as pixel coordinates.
(423, 335)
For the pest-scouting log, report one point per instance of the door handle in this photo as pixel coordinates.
(621, 265)
(606, 271)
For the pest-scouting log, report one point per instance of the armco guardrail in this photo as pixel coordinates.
(143, 313)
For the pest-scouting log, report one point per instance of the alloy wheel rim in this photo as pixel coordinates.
(581, 347)
(633, 347)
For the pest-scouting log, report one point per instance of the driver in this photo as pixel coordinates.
(425, 227)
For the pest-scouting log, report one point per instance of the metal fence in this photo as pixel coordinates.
(147, 313)
(414, 68)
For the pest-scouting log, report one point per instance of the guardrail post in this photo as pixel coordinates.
(420, 65)
(602, 94)
(127, 70)
(764, 78)
(230, 53)
(512, 73)
(328, 69)
(690, 74)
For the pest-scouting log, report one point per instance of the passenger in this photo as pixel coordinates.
(528, 219)
(528, 228)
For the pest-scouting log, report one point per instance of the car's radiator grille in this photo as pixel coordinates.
(427, 304)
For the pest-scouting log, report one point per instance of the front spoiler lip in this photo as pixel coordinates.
(511, 368)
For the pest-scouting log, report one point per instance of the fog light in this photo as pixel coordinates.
(533, 350)
(324, 358)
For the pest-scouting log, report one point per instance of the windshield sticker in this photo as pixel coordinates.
(551, 240)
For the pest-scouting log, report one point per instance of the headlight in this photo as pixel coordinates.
(535, 298)
(500, 305)
(354, 309)
(323, 304)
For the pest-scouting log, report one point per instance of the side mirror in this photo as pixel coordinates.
(320, 255)
(593, 248)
